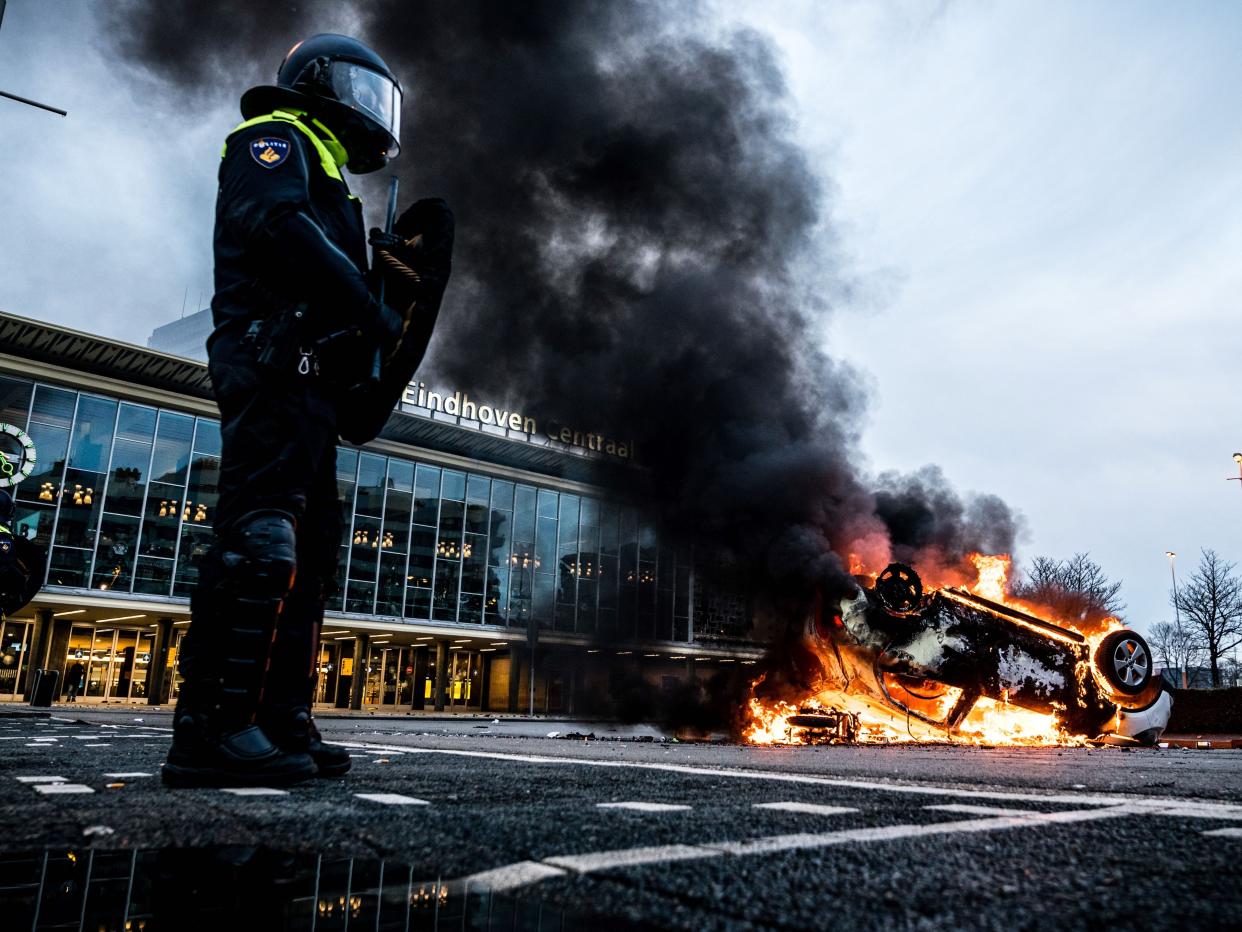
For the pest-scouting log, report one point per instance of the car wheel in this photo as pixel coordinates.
(899, 588)
(1124, 660)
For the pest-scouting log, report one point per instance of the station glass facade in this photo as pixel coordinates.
(123, 496)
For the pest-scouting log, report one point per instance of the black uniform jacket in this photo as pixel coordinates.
(287, 234)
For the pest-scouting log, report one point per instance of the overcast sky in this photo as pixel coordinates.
(1039, 202)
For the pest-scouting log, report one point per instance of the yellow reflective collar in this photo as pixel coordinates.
(331, 153)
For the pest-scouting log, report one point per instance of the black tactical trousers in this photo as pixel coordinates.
(279, 453)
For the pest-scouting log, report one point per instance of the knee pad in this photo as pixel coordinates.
(258, 559)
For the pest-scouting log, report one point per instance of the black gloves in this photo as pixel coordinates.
(414, 262)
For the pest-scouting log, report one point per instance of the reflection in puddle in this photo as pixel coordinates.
(235, 888)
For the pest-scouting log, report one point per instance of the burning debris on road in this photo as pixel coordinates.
(892, 662)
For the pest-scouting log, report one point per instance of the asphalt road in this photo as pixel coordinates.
(490, 827)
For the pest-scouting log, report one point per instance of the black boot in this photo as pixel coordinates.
(210, 750)
(294, 731)
(242, 583)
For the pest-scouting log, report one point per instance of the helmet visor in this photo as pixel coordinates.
(373, 95)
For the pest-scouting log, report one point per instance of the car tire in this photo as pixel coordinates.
(1124, 662)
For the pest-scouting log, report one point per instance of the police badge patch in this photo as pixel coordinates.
(269, 151)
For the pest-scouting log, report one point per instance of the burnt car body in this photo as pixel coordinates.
(923, 662)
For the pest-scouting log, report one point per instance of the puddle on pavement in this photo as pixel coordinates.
(237, 888)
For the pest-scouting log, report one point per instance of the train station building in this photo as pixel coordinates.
(490, 564)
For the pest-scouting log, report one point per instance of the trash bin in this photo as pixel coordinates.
(44, 690)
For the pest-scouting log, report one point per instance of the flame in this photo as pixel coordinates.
(989, 722)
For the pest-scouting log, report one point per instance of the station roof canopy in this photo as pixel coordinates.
(22, 338)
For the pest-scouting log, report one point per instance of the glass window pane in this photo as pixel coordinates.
(51, 449)
(162, 518)
(34, 522)
(542, 608)
(114, 557)
(498, 555)
(396, 521)
(80, 507)
(448, 574)
(207, 437)
(476, 519)
(547, 504)
(136, 423)
(15, 400)
(474, 557)
(502, 495)
(52, 407)
(92, 434)
(371, 477)
(426, 495)
(195, 541)
(545, 546)
(364, 551)
(453, 485)
(68, 566)
(360, 597)
(204, 491)
(128, 481)
(400, 475)
(391, 584)
(422, 557)
(471, 609)
(478, 490)
(172, 448)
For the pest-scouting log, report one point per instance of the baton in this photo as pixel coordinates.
(391, 219)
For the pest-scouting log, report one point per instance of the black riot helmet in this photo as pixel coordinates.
(345, 84)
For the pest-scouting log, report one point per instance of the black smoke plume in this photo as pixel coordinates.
(633, 215)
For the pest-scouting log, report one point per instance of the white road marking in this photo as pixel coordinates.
(134, 775)
(97, 745)
(392, 799)
(630, 857)
(644, 807)
(967, 809)
(1231, 832)
(808, 808)
(40, 779)
(512, 876)
(1191, 811)
(62, 788)
(527, 872)
(41, 744)
(1137, 802)
(255, 791)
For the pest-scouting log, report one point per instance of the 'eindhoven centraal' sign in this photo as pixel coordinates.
(418, 399)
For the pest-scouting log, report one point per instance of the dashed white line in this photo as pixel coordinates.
(1231, 832)
(512, 876)
(39, 779)
(1145, 803)
(644, 807)
(630, 857)
(526, 872)
(130, 776)
(807, 808)
(97, 745)
(967, 809)
(255, 791)
(392, 799)
(49, 788)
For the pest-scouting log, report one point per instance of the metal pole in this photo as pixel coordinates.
(34, 103)
(1177, 612)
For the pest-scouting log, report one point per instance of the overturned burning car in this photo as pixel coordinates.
(950, 662)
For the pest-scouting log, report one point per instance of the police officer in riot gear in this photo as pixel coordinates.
(303, 351)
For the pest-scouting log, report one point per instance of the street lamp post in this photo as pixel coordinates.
(1177, 612)
(1237, 458)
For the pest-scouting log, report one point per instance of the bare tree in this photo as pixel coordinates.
(1076, 589)
(1211, 607)
(1175, 646)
